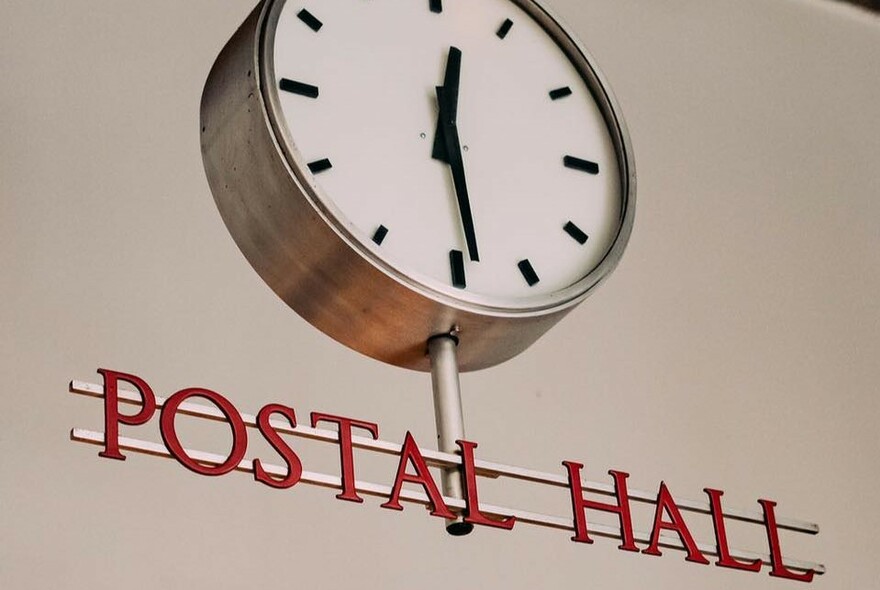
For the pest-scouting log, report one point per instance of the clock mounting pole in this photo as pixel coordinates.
(448, 417)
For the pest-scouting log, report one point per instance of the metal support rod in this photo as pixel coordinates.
(448, 418)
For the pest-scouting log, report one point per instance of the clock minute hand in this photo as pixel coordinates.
(447, 99)
(454, 159)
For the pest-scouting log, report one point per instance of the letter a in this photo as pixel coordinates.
(410, 453)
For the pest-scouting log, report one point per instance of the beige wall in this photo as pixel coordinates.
(736, 346)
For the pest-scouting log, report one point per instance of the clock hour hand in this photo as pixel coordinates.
(451, 80)
(447, 146)
(439, 150)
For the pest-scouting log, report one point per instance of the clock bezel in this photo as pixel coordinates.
(360, 243)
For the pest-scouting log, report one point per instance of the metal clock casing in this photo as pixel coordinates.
(335, 279)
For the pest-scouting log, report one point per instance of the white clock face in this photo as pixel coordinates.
(453, 139)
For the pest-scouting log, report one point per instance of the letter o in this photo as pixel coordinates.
(172, 442)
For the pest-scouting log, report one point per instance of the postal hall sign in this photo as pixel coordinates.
(129, 401)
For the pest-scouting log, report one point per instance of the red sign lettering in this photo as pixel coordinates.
(169, 434)
(112, 417)
(665, 503)
(667, 515)
(472, 512)
(410, 454)
(579, 505)
(346, 455)
(294, 465)
(779, 570)
(724, 557)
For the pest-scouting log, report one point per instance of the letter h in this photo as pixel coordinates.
(579, 505)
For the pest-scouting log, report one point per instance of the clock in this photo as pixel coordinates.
(401, 169)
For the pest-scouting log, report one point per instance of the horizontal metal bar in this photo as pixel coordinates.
(383, 491)
(438, 459)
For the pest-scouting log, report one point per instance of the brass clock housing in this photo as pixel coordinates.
(272, 207)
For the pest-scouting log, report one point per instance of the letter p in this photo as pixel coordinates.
(112, 417)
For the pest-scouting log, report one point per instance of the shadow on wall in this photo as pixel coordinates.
(869, 4)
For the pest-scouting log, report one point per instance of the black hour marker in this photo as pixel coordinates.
(456, 262)
(560, 93)
(528, 273)
(300, 88)
(310, 19)
(582, 165)
(575, 232)
(505, 28)
(380, 234)
(436, 6)
(320, 166)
